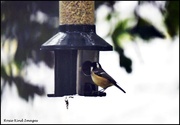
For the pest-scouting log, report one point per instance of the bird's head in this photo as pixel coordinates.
(96, 65)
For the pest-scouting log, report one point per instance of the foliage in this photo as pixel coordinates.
(172, 17)
(18, 21)
(143, 29)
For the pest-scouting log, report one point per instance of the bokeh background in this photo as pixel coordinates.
(144, 62)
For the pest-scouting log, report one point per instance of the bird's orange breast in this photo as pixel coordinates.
(100, 81)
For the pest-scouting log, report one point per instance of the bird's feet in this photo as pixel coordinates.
(102, 90)
(98, 93)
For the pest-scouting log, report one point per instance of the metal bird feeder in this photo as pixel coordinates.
(75, 46)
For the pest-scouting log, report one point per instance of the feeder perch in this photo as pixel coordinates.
(75, 46)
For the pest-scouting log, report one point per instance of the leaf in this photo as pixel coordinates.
(172, 17)
(27, 90)
(145, 30)
(108, 3)
(124, 61)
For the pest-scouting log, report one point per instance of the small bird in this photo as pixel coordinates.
(101, 78)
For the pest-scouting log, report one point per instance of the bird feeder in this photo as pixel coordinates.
(75, 46)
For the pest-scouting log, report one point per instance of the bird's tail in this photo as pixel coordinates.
(119, 88)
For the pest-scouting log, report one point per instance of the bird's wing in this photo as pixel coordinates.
(102, 73)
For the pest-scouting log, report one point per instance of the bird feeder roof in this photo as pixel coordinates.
(76, 37)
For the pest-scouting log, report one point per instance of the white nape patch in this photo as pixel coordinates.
(97, 65)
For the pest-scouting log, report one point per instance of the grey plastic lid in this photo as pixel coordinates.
(76, 37)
